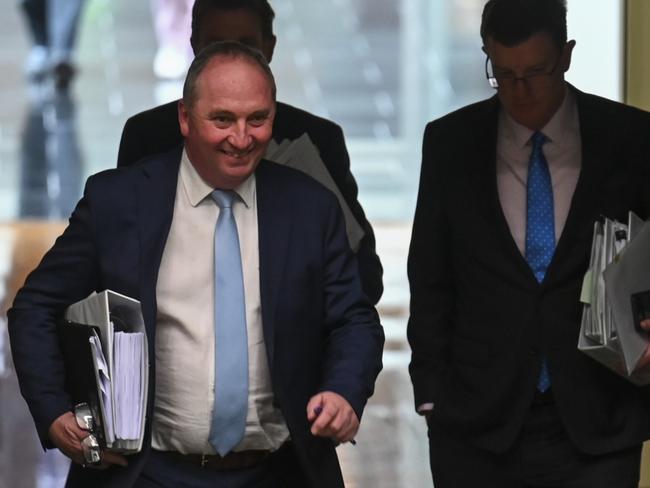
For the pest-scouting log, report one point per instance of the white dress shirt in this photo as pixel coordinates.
(185, 324)
(563, 153)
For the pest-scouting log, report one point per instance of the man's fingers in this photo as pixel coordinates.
(314, 407)
(349, 428)
(322, 422)
(76, 432)
(340, 425)
(67, 435)
(65, 427)
(339, 422)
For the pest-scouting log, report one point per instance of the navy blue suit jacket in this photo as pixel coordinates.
(321, 333)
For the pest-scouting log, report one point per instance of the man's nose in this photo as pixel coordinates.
(520, 86)
(240, 137)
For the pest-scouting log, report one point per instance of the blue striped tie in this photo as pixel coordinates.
(540, 225)
(231, 345)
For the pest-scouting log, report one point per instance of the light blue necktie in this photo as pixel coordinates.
(540, 225)
(231, 346)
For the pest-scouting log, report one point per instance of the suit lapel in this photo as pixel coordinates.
(156, 189)
(596, 153)
(274, 217)
(484, 181)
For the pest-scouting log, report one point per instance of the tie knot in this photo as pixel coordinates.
(223, 198)
(538, 139)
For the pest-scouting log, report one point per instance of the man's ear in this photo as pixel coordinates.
(183, 117)
(268, 48)
(567, 51)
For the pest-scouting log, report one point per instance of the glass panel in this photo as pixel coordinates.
(382, 69)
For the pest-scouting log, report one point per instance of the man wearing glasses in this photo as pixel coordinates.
(509, 192)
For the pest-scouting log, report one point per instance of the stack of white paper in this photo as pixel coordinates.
(128, 384)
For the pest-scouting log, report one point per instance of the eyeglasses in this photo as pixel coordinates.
(499, 79)
(89, 445)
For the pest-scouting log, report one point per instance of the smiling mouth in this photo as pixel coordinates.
(237, 154)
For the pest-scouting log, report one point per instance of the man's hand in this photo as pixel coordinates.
(67, 436)
(332, 416)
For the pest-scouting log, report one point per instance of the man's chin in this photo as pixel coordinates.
(530, 120)
(237, 173)
(236, 161)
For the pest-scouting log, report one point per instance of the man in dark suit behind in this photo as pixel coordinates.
(309, 341)
(251, 22)
(510, 189)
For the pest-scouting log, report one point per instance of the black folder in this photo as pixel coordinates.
(81, 377)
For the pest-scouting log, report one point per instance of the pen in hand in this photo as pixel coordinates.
(317, 412)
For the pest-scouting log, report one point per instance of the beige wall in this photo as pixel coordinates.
(637, 93)
(644, 482)
(637, 65)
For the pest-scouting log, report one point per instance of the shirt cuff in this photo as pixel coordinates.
(425, 408)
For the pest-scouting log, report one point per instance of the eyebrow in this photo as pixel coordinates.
(220, 113)
(265, 113)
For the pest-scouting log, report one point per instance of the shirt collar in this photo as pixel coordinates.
(565, 119)
(198, 190)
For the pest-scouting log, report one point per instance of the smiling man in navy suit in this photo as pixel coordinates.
(312, 341)
(510, 188)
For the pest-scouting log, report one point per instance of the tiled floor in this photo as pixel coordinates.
(49, 144)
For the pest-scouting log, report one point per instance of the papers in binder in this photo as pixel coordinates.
(121, 365)
(619, 268)
(128, 384)
(103, 380)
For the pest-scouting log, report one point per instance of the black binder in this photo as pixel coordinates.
(81, 376)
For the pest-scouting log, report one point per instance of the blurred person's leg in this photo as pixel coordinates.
(64, 155)
(35, 17)
(34, 201)
(62, 24)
